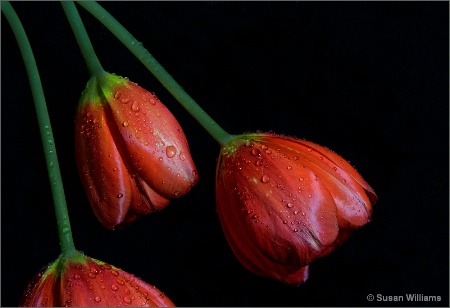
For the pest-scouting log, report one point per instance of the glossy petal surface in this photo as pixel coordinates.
(284, 202)
(84, 281)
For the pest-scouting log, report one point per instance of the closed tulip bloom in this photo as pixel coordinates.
(131, 152)
(83, 281)
(283, 202)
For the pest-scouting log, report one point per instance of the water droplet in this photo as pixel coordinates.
(119, 196)
(309, 150)
(264, 147)
(114, 287)
(171, 151)
(127, 299)
(255, 152)
(265, 179)
(135, 106)
(114, 273)
(290, 205)
(182, 157)
(77, 277)
(335, 168)
(309, 196)
(50, 141)
(125, 124)
(343, 180)
(125, 100)
(160, 158)
(295, 230)
(259, 163)
(295, 212)
(301, 179)
(66, 230)
(284, 221)
(97, 299)
(120, 281)
(176, 193)
(91, 275)
(117, 95)
(289, 167)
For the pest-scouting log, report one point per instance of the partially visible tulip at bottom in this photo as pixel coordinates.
(283, 202)
(84, 281)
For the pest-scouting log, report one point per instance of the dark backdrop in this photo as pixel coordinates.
(368, 80)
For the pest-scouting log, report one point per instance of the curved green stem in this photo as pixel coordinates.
(92, 62)
(54, 174)
(219, 134)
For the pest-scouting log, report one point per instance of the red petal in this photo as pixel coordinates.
(154, 141)
(105, 177)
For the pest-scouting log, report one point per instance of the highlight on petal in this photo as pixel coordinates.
(132, 154)
(283, 202)
(84, 281)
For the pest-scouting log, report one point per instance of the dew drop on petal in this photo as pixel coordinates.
(171, 151)
(176, 193)
(125, 124)
(309, 196)
(265, 179)
(259, 163)
(301, 179)
(289, 167)
(135, 106)
(127, 300)
(97, 299)
(119, 196)
(117, 95)
(290, 205)
(114, 287)
(114, 273)
(255, 152)
(125, 100)
(77, 277)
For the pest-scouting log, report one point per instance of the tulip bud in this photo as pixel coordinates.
(131, 152)
(283, 202)
(84, 281)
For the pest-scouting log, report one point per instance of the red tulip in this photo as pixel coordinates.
(283, 202)
(131, 152)
(84, 281)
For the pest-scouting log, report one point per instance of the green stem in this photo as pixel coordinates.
(54, 174)
(219, 134)
(92, 62)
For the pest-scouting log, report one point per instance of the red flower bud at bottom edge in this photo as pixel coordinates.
(283, 202)
(131, 152)
(84, 281)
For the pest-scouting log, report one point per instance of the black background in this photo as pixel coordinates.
(367, 79)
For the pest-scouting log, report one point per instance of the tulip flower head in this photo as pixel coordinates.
(283, 202)
(132, 154)
(84, 281)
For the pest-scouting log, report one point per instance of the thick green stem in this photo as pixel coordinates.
(219, 134)
(92, 62)
(62, 216)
